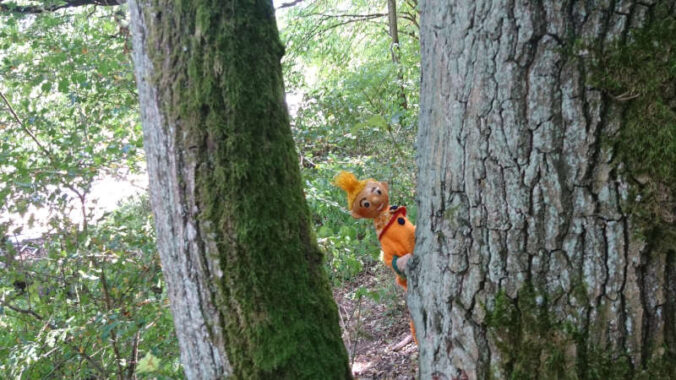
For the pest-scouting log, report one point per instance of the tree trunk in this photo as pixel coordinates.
(244, 275)
(527, 264)
(394, 48)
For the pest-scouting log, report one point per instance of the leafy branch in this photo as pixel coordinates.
(44, 149)
(23, 126)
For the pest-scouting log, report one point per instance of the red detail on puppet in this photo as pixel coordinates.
(400, 210)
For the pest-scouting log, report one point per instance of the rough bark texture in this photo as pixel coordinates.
(244, 274)
(526, 263)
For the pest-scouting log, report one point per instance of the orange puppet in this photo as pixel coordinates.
(369, 199)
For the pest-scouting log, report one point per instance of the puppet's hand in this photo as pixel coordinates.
(402, 262)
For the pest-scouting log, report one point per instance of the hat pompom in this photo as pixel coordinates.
(351, 185)
(346, 181)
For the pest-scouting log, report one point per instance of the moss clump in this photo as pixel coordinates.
(535, 343)
(639, 75)
(531, 343)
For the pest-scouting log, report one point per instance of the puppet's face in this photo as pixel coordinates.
(371, 201)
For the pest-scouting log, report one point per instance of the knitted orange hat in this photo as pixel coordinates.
(352, 186)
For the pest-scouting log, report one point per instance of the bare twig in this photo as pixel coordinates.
(408, 339)
(133, 359)
(36, 9)
(109, 308)
(344, 326)
(350, 15)
(626, 96)
(289, 4)
(411, 18)
(88, 358)
(28, 312)
(356, 338)
(23, 126)
(411, 34)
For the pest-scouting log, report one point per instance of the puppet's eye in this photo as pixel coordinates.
(379, 192)
(365, 204)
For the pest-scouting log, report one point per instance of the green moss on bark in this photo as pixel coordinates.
(220, 81)
(531, 343)
(638, 74)
(536, 344)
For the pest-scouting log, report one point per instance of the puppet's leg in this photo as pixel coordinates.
(403, 284)
(413, 331)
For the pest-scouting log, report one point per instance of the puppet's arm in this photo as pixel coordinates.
(401, 263)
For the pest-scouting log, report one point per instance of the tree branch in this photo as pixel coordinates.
(28, 131)
(359, 16)
(89, 359)
(290, 4)
(30, 312)
(133, 359)
(36, 9)
(44, 149)
(412, 18)
(52, 326)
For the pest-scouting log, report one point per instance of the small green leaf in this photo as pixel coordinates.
(149, 363)
(63, 85)
(377, 121)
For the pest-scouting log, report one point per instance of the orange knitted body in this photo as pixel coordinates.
(397, 239)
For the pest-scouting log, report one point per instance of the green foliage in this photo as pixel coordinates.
(350, 115)
(97, 298)
(89, 300)
(69, 80)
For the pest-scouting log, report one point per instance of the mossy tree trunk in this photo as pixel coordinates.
(244, 274)
(528, 263)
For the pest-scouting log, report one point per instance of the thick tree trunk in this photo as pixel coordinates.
(394, 47)
(244, 275)
(526, 263)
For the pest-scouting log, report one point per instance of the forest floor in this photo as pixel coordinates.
(375, 323)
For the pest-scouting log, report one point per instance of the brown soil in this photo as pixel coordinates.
(374, 320)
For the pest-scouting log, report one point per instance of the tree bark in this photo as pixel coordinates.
(244, 274)
(527, 264)
(394, 48)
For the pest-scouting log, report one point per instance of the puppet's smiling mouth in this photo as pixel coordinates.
(380, 208)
